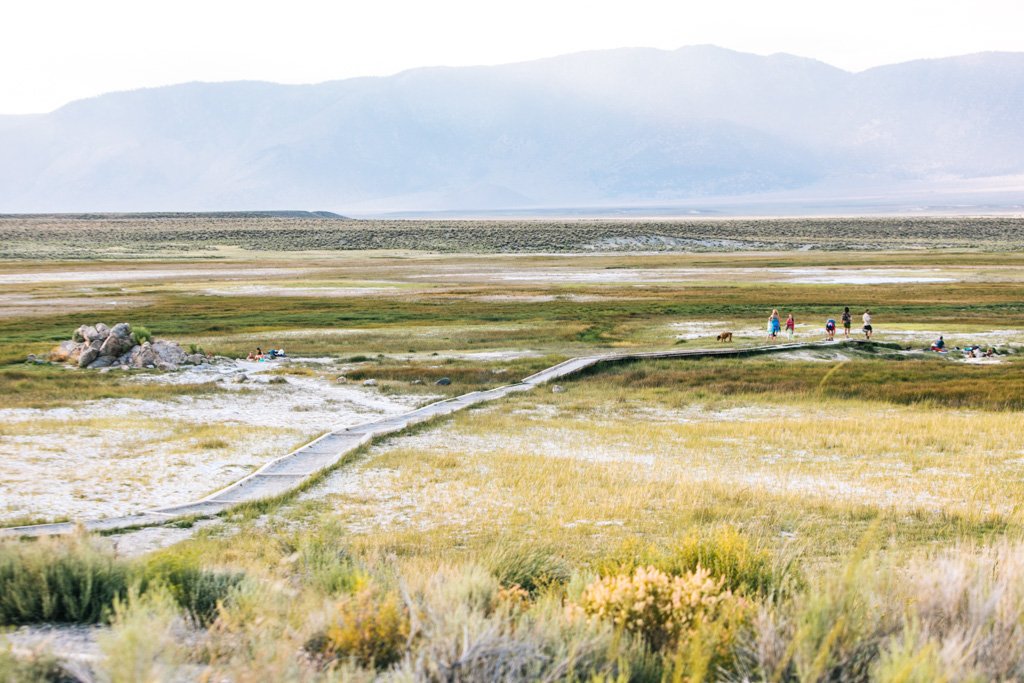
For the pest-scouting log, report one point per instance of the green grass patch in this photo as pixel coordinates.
(932, 381)
(47, 386)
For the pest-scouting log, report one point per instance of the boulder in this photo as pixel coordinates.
(443, 382)
(169, 352)
(102, 362)
(85, 333)
(100, 346)
(122, 330)
(76, 352)
(143, 356)
(87, 356)
(62, 352)
(115, 345)
(370, 383)
(558, 389)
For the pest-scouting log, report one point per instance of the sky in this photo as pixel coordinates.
(56, 51)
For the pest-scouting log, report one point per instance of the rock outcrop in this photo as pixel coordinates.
(100, 346)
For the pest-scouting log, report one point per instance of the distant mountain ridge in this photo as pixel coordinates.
(617, 127)
(148, 215)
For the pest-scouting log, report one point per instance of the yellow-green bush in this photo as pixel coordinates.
(725, 552)
(664, 609)
(371, 628)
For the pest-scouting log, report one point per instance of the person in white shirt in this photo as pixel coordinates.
(867, 324)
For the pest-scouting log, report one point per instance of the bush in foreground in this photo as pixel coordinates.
(59, 581)
(370, 628)
(78, 580)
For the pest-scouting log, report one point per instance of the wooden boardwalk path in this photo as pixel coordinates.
(290, 471)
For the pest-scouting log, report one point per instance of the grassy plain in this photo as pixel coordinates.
(860, 512)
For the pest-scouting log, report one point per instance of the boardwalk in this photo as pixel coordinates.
(290, 471)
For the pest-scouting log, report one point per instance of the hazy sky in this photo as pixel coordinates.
(54, 51)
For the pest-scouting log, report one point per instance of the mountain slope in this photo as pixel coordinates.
(619, 126)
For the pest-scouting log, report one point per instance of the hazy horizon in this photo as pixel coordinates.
(514, 63)
(67, 51)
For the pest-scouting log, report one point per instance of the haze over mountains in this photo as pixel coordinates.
(618, 128)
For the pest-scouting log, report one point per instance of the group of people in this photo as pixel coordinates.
(972, 351)
(775, 325)
(260, 355)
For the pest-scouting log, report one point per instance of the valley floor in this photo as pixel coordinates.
(796, 478)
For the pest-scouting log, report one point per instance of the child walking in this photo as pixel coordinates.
(774, 327)
(790, 327)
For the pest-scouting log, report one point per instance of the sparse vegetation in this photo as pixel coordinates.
(76, 237)
(850, 516)
(141, 335)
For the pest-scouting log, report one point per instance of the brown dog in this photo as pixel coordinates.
(724, 337)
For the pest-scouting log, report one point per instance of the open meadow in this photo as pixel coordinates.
(844, 513)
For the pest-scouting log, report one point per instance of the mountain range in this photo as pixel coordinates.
(617, 128)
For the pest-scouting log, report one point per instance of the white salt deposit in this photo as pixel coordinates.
(115, 456)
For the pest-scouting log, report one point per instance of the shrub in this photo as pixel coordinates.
(146, 639)
(531, 569)
(198, 591)
(663, 609)
(37, 668)
(327, 566)
(729, 555)
(370, 628)
(465, 628)
(141, 335)
(59, 580)
(725, 552)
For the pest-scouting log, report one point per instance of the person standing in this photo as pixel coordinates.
(867, 324)
(847, 321)
(774, 326)
(790, 327)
